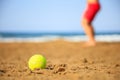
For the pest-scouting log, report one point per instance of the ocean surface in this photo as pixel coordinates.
(45, 37)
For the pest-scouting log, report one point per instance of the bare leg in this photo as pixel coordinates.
(89, 32)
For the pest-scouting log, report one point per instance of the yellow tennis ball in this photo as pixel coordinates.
(37, 62)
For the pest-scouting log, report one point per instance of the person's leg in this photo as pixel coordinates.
(88, 28)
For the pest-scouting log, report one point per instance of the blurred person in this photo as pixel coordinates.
(93, 6)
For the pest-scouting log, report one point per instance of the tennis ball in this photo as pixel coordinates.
(37, 62)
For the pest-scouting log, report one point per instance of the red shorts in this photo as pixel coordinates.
(91, 11)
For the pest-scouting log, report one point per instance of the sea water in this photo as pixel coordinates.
(45, 37)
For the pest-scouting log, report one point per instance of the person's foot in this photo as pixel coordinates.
(90, 44)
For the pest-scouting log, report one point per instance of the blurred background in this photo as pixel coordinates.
(55, 16)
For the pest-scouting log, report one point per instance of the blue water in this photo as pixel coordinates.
(26, 35)
(43, 37)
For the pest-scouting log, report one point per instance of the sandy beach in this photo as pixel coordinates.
(65, 61)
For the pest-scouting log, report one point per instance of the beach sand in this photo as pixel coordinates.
(65, 61)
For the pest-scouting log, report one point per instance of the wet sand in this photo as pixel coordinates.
(65, 61)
